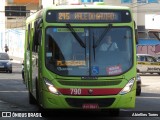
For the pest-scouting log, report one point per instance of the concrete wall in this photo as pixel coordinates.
(15, 40)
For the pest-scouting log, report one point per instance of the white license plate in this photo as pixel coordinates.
(90, 106)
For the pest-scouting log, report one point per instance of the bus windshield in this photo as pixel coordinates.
(64, 55)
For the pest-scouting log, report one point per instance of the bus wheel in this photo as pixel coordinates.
(37, 94)
(31, 99)
(41, 109)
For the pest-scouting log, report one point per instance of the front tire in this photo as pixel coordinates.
(31, 99)
(37, 92)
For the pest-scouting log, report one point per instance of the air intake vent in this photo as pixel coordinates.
(89, 83)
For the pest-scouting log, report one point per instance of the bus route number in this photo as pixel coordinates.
(75, 91)
(64, 16)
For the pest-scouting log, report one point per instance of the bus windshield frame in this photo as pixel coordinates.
(88, 61)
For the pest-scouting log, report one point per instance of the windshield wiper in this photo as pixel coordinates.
(94, 52)
(75, 35)
(102, 36)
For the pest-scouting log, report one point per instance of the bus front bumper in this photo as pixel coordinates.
(52, 101)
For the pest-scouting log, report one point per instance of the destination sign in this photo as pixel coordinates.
(88, 16)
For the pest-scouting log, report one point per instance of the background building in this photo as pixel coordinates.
(14, 24)
(12, 32)
(2, 24)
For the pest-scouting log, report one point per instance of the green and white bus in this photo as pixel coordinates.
(64, 67)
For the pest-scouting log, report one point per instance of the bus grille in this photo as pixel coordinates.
(78, 102)
(89, 83)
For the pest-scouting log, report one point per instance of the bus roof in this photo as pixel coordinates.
(86, 7)
(75, 7)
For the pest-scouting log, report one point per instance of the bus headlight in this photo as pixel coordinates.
(51, 87)
(128, 87)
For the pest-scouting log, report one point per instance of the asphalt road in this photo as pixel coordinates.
(14, 97)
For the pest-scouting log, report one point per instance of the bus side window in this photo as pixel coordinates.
(50, 48)
(37, 32)
(36, 38)
(28, 37)
(53, 50)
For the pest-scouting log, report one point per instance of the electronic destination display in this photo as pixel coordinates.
(87, 16)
